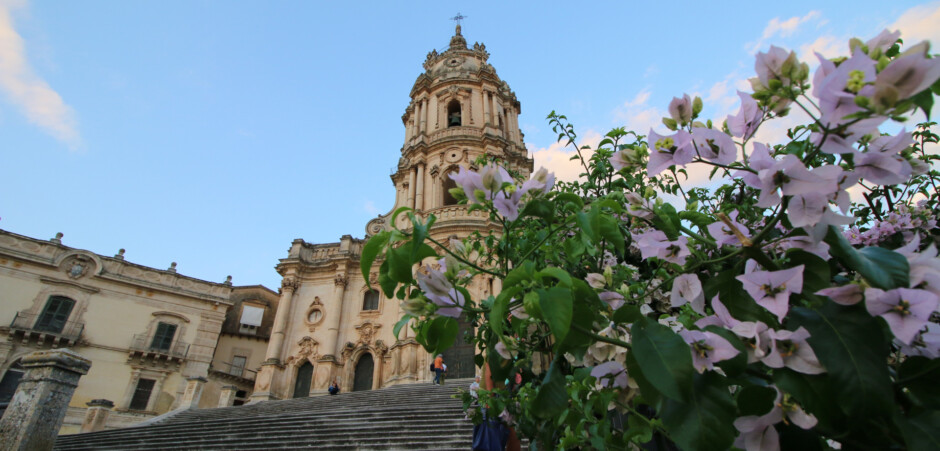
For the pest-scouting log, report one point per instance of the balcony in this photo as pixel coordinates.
(142, 347)
(52, 333)
(236, 374)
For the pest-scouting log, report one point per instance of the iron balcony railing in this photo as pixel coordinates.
(233, 370)
(32, 323)
(143, 343)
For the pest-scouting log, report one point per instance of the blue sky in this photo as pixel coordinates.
(214, 133)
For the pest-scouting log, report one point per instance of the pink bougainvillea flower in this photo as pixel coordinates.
(440, 291)
(595, 280)
(670, 150)
(745, 123)
(791, 177)
(838, 89)
(721, 318)
(883, 41)
(790, 349)
(755, 337)
(541, 180)
(612, 298)
(850, 294)
(707, 348)
(714, 145)
(759, 160)
(771, 289)
(656, 244)
(758, 432)
(639, 206)
(925, 266)
(470, 182)
(681, 109)
(723, 234)
(688, 289)
(610, 374)
(503, 351)
(926, 343)
(882, 163)
(907, 75)
(905, 310)
(805, 243)
(507, 205)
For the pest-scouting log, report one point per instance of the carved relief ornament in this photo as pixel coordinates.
(289, 283)
(341, 280)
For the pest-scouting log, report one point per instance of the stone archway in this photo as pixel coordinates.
(459, 358)
(365, 370)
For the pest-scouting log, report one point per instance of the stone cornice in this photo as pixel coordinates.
(49, 254)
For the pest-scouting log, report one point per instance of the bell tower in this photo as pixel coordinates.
(459, 110)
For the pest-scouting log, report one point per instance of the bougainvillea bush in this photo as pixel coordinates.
(787, 299)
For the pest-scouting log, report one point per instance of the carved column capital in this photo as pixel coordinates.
(341, 280)
(289, 283)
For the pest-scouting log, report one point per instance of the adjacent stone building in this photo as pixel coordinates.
(329, 323)
(146, 331)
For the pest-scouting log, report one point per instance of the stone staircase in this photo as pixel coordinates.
(413, 416)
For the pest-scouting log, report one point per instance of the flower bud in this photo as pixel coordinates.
(670, 124)
(862, 101)
(696, 106)
(414, 306)
(857, 43)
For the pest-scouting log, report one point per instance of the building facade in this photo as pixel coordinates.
(330, 325)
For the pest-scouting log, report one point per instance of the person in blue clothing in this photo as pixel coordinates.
(334, 387)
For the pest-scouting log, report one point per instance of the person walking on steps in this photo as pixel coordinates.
(438, 368)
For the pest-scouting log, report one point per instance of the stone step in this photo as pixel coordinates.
(415, 416)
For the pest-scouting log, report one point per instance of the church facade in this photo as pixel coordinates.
(330, 325)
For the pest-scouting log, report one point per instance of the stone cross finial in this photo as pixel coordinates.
(120, 254)
(58, 238)
(457, 19)
(172, 267)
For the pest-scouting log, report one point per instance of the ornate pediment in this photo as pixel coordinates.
(367, 331)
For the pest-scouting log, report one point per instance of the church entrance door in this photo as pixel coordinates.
(364, 370)
(459, 358)
(304, 376)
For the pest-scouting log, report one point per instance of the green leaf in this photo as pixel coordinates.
(756, 400)
(441, 334)
(401, 323)
(924, 101)
(590, 224)
(815, 272)
(519, 274)
(701, 220)
(706, 420)
(921, 432)
(610, 231)
(385, 281)
(566, 198)
(399, 262)
(562, 276)
(881, 267)
(501, 310)
(555, 304)
(370, 251)
(539, 208)
(584, 312)
(920, 375)
(851, 346)
(626, 314)
(665, 358)
(552, 397)
(812, 392)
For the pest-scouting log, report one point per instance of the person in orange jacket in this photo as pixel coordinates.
(438, 368)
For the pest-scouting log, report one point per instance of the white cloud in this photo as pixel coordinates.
(557, 157)
(369, 207)
(919, 23)
(41, 104)
(783, 28)
(827, 45)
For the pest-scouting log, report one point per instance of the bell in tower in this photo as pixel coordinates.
(453, 114)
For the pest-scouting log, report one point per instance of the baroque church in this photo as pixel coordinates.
(160, 341)
(329, 323)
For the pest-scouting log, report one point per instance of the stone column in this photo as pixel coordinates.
(96, 417)
(419, 189)
(227, 397)
(411, 187)
(424, 116)
(194, 386)
(288, 285)
(35, 414)
(331, 345)
(494, 113)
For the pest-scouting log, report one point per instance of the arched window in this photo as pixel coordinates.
(449, 184)
(363, 377)
(371, 300)
(453, 114)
